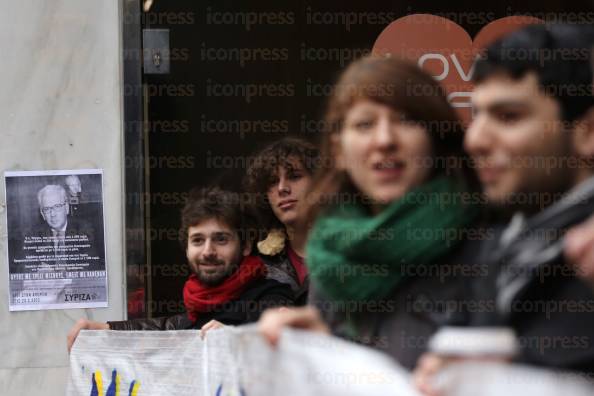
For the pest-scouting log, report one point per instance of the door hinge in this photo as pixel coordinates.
(156, 51)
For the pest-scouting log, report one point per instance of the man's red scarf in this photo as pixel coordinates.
(199, 298)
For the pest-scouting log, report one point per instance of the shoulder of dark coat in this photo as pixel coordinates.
(263, 287)
(272, 260)
(476, 246)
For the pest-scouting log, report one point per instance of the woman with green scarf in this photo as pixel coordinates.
(386, 213)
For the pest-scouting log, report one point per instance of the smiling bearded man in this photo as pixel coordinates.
(227, 286)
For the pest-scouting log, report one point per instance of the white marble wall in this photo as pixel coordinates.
(60, 108)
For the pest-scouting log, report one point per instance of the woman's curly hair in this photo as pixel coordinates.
(263, 171)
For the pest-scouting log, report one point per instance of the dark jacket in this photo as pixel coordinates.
(552, 314)
(259, 296)
(402, 324)
(280, 268)
(535, 292)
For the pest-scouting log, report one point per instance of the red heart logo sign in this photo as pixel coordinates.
(444, 49)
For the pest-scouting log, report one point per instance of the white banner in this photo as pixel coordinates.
(237, 361)
(230, 361)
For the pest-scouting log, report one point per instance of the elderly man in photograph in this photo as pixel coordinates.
(54, 209)
(63, 230)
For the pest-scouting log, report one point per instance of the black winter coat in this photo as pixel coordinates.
(280, 268)
(260, 295)
(402, 323)
(552, 315)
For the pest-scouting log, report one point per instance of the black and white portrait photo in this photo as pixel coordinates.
(56, 249)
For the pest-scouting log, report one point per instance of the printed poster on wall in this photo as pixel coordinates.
(56, 249)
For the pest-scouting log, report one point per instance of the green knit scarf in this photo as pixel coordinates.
(354, 256)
